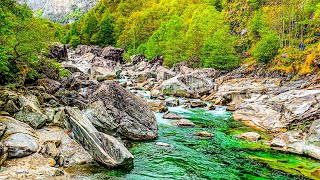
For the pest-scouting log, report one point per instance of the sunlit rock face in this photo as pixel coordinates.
(63, 11)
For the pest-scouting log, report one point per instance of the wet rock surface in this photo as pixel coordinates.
(170, 115)
(251, 136)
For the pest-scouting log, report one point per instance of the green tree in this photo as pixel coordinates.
(72, 32)
(75, 41)
(205, 21)
(266, 49)
(23, 40)
(218, 51)
(89, 28)
(5, 25)
(167, 41)
(257, 26)
(106, 35)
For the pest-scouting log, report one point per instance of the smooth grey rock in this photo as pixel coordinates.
(251, 136)
(170, 115)
(20, 145)
(276, 112)
(197, 104)
(14, 126)
(161, 144)
(116, 111)
(185, 123)
(190, 85)
(234, 91)
(30, 112)
(164, 73)
(103, 148)
(68, 152)
(19, 138)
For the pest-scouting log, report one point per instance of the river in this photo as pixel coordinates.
(221, 156)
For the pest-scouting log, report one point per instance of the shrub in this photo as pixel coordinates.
(266, 49)
(75, 41)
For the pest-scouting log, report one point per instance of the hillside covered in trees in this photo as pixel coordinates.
(219, 34)
(24, 42)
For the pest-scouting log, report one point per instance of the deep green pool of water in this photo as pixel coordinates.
(219, 157)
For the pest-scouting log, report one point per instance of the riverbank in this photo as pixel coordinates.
(92, 117)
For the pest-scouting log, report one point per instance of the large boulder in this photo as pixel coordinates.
(9, 101)
(275, 113)
(135, 59)
(103, 148)
(164, 73)
(84, 49)
(102, 74)
(113, 54)
(57, 144)
(251, 136)
(59, 52)
(190, 85)
(158, 106)
(101, 62)
(50, 86)
(30, 112)
(78, 63)
(19, 138)
(116, 111)
(144, 76)
(299, 142)
(234, 91)
(34, 166)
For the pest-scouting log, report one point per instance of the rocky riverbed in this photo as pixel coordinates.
(208, 123)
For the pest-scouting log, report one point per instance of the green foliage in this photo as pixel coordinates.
(62, 71)
(75, 41)
(105, 34)
(266, 49)
(190, 30)
(90, 27)
(72, 32)
(167, 41)
(218, 51)
(256, 25)
(23, 38)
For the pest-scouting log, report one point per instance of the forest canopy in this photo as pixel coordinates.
(218, 34)
(24, 39)
(215, 34)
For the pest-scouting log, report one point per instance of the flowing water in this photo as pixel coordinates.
(218, 157)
